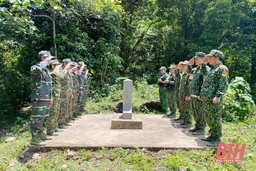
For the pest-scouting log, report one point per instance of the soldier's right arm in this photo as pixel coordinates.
(36, 70)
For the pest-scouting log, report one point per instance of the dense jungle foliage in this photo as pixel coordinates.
(126, 38)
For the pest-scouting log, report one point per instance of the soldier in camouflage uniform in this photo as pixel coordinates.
(170, 87)
(86, 89)
(81, 92)
(214, 87)
(74, 91)
(162, 90)
(178, 74)
(183, 93)
(52, 122)
(197, 78)
(66, 90)
(40, 97)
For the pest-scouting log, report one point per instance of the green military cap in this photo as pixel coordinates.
(172, 66)
(216, 53)
(55, 62)
(199, 54)
(184, 63)
(162, 68)
(66, 61)
(80, 63)
(44, 53)
(73, 64)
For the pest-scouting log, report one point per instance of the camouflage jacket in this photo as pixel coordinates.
(171, 82)
(197, 79)
(215, 83)
(184, 86)
(56, 83)
(163, 77)
(66, 81)
(185, 83)
(75, 79)
(177, 80)
(41, 83)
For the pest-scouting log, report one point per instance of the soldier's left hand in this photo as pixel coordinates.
(159, 80)
(216, 100)
(166, 81)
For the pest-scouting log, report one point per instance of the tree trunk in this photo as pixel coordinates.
(54, 33)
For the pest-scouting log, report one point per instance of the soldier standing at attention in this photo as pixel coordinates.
(197, 78)
(52, 122)
(170, 87)
(162, 90)
(214, 87)
(41, 97)
(184, 92)
(178, 73)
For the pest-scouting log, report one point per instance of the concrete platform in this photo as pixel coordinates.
(93, 131)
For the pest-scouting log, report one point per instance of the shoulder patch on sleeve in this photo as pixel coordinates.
(224, 73)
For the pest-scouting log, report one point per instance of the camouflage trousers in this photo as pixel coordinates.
(64, 108)
(213, 114)
(40, 113)
(74, 104)
(172, 101)
(177, 98)
(84, 99)
(163, 99)
(185, 111)
(198, 113)
(52, 123)
(81, 101)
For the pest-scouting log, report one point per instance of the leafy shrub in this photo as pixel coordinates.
(238, 103)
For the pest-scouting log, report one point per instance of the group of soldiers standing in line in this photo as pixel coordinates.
(196, 92)
(59, 93)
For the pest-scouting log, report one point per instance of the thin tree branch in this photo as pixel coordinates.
(45, 16)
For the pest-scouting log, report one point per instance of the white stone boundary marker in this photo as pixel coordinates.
(127, 99)
(126, 121)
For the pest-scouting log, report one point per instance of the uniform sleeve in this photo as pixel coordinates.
(223, 82)
(171, 80)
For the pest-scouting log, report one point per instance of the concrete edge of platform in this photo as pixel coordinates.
(94, 148)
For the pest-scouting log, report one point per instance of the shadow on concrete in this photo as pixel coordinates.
(185, 131)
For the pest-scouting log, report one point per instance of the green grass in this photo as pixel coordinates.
(128, 159)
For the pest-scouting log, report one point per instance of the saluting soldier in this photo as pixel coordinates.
(74, 91)
(66, 90)
(52, 122)
(41, 97)
(81, 89)
(86, 89)
(214, 87)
